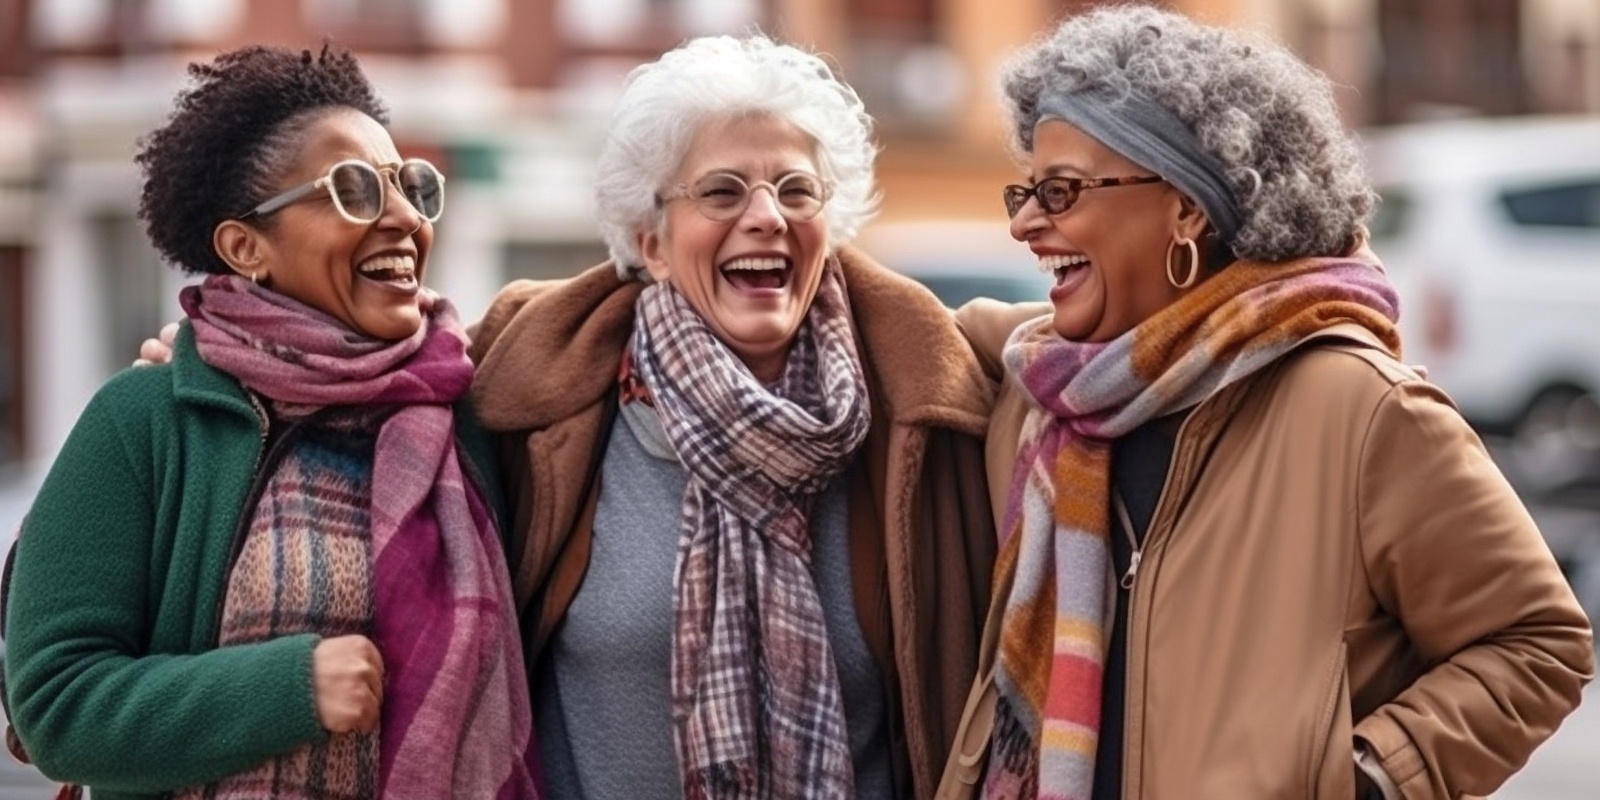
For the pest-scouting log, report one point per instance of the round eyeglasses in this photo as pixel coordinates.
(722, 196)
(1057, 194)
(358, 192)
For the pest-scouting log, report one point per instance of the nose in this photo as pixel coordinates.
(1028, 221)
(398, 213)
(762, 214)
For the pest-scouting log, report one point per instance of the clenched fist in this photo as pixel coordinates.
(347, 676)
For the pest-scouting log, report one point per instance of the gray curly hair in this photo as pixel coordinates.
(1294, 169)
(711, 78)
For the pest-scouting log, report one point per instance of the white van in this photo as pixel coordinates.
(1491, 230)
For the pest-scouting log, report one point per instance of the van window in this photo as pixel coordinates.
(1391, 216)
(955, 290)
(1572, 204)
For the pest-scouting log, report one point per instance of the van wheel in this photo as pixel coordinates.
(1556, 444)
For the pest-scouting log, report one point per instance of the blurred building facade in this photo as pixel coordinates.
(509, 95)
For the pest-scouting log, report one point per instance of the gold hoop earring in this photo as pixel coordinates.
(1194, 264)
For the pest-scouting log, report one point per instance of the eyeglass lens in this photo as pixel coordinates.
(1055, 196)
(359, 189)
(723, 196)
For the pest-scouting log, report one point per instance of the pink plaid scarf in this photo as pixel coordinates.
(1054, 539)
(456, 717)
(756, 705)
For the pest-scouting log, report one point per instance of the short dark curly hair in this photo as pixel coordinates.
(229, 137)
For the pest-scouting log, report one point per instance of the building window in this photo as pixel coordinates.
(135, 287)
(11, 355)
(1449, 59)
(389, 26)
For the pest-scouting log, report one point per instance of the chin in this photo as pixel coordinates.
(393, 330)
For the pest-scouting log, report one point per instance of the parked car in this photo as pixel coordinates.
(959, 259)
(1491, 230)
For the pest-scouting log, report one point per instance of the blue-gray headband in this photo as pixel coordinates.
(1152, 137)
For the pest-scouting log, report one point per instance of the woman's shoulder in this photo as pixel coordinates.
(134, 393)
(549, 348)
(1336, 378)
(988, 323)
(1348, 359)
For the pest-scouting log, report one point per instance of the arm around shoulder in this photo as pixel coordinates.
(502, 309)
(988, 323)
(1452, 552)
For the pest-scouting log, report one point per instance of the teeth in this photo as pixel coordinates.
(1048, 264)
(402, 266)
(756, 264)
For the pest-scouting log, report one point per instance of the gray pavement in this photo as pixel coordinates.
(1566, 768)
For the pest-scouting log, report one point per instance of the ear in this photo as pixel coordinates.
(242, 247)
(1191, 222)
(652, 245)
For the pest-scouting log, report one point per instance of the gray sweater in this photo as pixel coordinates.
(602, 699)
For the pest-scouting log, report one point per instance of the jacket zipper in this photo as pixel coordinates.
(266, 458)
(1132, 585)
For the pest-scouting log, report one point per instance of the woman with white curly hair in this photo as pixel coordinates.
(1245, 552)
(752, 537)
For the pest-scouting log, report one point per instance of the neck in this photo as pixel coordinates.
(767, 367)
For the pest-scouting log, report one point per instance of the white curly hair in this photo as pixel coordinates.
(1270, 119)
(668, 101)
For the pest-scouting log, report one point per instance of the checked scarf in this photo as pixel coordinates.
(456, 720)
(1054, 537)
(756, 706)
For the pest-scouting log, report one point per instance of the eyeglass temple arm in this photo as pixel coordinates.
(291, 196)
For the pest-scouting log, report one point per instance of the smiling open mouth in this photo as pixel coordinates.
(395, 269)
(1063, 267)
(757, 273)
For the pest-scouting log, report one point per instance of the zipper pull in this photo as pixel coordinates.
(1133, 569)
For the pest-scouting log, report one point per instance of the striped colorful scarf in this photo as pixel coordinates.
(756, 705)
(1054, 539)
(456, 720)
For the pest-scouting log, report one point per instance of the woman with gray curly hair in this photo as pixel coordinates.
(752, 539)
(1244, 551)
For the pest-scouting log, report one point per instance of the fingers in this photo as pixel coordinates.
(159, 349)
(347, 678)
(374, 668)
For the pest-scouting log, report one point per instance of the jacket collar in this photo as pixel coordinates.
(195, 381)
(559, 353)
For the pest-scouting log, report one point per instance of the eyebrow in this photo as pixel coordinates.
(1060, 171)
(745, 175)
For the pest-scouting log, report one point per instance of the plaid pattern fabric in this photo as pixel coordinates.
(1054, 537)
(757, 709)
(456, 719)
(305, 567)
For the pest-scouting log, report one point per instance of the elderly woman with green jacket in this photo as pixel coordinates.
(273, 567)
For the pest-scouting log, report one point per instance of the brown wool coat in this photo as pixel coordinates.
(921, 532)
(1334, 557)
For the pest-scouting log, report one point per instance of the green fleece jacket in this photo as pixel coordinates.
(114, 676)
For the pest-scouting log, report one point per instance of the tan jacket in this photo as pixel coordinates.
(1334, 557)
(922, 540)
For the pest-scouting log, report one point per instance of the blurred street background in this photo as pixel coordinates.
(1481, 118)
